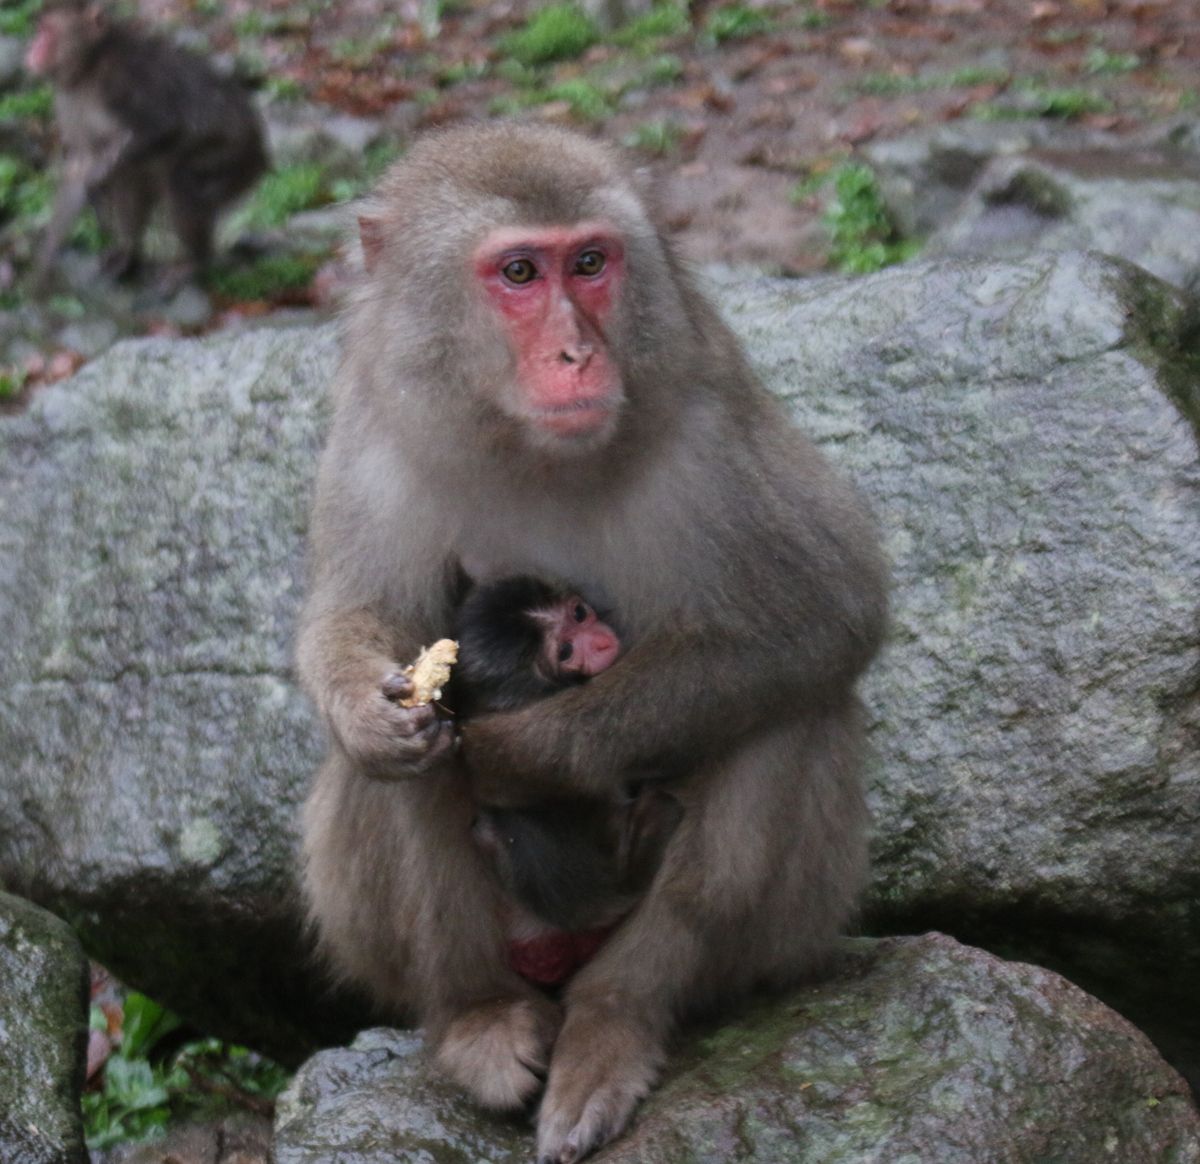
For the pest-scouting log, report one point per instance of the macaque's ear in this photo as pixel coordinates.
(370, 232)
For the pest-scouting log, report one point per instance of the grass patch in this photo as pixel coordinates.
(588, 102)
(657, 138)
(18, 17)
(734, 22)
(662, 21)
(12, 380)
(895, 85)
(25, 193)
(1034, 100)
(559, 32)
(139, 1096)
(1100, 62)
(269, 278)
(863, 236)
(287, 191)
(27, 104)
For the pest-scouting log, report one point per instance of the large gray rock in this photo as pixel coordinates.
(152, 516)
(1036, 781)
(921, 1050)
(43, 1036)
(1008, 189)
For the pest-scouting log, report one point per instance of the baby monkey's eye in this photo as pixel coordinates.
(590, 263)
(580, 612)
(565, 652)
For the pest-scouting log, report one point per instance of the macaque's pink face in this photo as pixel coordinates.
(42, 52)
(577, 642)
(556, 290)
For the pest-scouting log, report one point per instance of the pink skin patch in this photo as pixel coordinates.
(577, 641)
(555, 288)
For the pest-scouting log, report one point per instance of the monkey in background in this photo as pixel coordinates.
(573, 866)
(141, 121)
(530, 383)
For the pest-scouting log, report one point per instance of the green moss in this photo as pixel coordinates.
(864, 238)
(587, 101)
(558, 32)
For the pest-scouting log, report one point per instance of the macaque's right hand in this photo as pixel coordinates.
(390, 742)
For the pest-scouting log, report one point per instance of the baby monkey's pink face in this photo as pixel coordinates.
(576, 641)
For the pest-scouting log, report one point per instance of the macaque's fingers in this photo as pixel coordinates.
(390, 741)
(603, 1066)
(397, 686)
(498, 1050)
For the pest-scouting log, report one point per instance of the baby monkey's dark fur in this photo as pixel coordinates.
(574, 862)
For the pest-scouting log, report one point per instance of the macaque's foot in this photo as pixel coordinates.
(603, 1066)
(174, 278)
(498, 1051)
(120, 264)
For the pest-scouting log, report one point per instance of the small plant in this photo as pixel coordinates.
(139, 1096)
(559, 32)
(272, 277)
(658, 138)
(898, 84)
(12, 380)
(1036, 101)
(662, 70)
(663, 20)
(587, 101)
(734, 22)
(18, 17)
(27, 104)
(1099, 61)
(25, 194)
(287, 191)
(864, 238)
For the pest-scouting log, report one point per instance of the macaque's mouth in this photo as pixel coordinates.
(577, 416)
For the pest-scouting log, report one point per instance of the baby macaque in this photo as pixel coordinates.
(573, 866)
(141, 121)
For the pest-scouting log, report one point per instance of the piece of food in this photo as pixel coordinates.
(430, 673)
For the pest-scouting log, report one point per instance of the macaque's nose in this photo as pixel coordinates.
(578, 354)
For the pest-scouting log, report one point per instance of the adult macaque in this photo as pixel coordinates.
(573, 866)
(531, 384)
(141, 121)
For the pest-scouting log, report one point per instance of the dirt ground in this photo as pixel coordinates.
(754, 119)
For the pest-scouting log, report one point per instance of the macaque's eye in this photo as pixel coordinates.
(519, 271)
(565, 652)
(580, 612)
(590, 263)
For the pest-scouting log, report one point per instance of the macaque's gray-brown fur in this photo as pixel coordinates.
(141, 121)
(752, 592)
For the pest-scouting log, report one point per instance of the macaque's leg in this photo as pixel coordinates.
(740, 901)
(409, 909)
(69, 201)
(194, 216)
(124, 208)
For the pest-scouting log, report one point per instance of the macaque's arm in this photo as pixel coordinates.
(82, 173)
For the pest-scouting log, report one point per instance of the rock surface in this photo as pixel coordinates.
(1036, 782)
(920, 1050)
(1005, 190)
(43, 1036)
